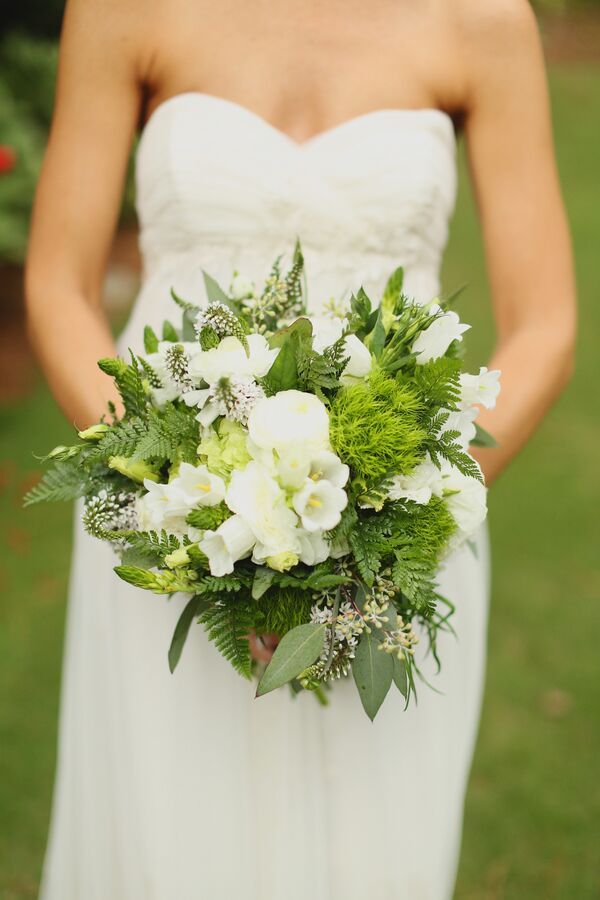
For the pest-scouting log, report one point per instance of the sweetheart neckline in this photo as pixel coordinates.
(299, 146)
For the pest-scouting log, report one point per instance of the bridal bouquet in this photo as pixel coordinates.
(293, 475)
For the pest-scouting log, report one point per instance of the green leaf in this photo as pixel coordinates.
(263, 579)
(373, 670)
(298, 650)
(391, 296)
(190, 612)
(188, 332)
(214, 291)
(375, 341)
(401, 677)
(185, 305)
(150, 340)
(169, 332)
(483, 438)
(139, 558)
(283, 374)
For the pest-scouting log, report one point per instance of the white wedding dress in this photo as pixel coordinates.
(184, 787)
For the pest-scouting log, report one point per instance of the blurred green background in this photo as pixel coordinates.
(533, 809)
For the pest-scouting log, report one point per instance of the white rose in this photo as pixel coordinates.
(319, 505)
(198, 486)
(435, 340)
(418, 485)
(290, 418)
(232, 540)
(255, 496)
(482, 389)
(230, 358)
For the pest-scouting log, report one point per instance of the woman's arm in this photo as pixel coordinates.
(509, 139)
(78, 201)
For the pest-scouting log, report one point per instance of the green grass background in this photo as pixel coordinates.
(533, 809)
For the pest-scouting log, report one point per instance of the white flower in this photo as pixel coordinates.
(360, 359)
(437, 337)
(198, 486)
(482, 389)
(164, 506)
(230, 358)
(241, 287)
(255, 496)
(329, 466)
(170, 388)
(319, 505)
(293, 466)
(326, 331)
(290, 418)
(466, 499)
(313, 547)
(463, 421)
(417, 485)
(232, 540)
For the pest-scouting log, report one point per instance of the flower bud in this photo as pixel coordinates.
(94, 432)
(134, 469)
(177, 558)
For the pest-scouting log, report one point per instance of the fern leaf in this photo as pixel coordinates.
(228, 623)
(367, 550)
(66, 480)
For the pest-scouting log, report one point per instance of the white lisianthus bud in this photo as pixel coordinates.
(482, 389)
(232, 540)
(360, 361)
(290, 418)
(241, 287)
(437, 337)
(319, 505)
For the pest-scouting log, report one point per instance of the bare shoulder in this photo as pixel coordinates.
(494, 20)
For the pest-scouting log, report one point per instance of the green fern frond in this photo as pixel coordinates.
(65, 480)
(228, 623)
(439, 382)
(129, 383)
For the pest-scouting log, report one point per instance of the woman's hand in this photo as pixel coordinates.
(262, 648)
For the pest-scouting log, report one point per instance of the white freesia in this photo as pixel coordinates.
(198, 486)
(418, 485)
(326, 331)
(163, 506)
(293, 466)
(466, 499)
(230, 358)
(437, 337)
(480, 390)
(319, 505)
(329, 466)
(232, 540)
(313, 547)
(290, 418)
(256, 496)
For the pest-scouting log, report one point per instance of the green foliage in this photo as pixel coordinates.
(439, 382)
(376, 427)
(65, 480)
(228, 623)
(293, 279)
(367, 542)
(152, 543)
(283, 374)
(171, 433)
(208, 517)
(169, 332)
(447, 448)
(190, 612)
(122, 440)
(128, 380)
(150, 340)
(280, 609)
(373, 671)
(318, 372)
(297, 650)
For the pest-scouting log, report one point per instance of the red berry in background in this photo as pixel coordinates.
(8, 159)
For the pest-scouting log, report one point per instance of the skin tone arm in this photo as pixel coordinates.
(77, 205)
(509, 140)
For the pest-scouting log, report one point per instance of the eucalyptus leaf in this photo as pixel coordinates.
(191, 610)
(298, 650)
(401, 677)
(373, 670)
(483, 438)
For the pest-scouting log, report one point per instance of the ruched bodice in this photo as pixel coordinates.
(220, 188)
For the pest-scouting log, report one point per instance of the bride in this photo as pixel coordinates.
(261, 121)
